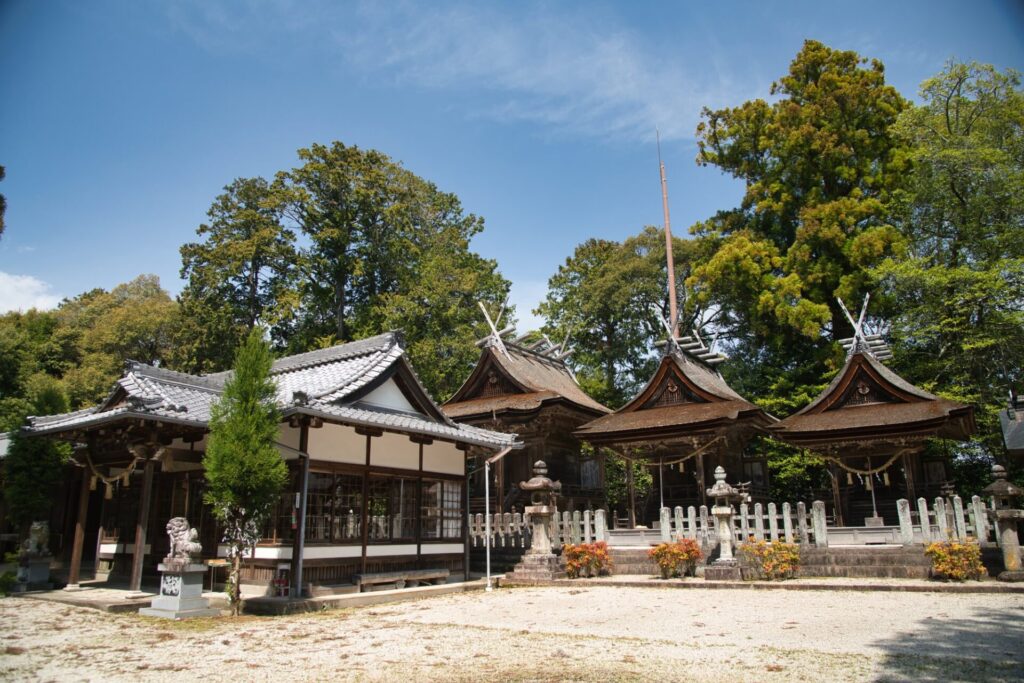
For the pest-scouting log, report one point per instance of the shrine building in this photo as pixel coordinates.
(377, 471)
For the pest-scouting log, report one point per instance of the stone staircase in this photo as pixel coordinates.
(632, 561)
(895, 562)
(877, 562)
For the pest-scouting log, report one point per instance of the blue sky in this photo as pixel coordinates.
(121, 121)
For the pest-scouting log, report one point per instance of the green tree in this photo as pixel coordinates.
(371, 225)
(607, 296)
(823, 171)
(135, 320)
(346, 245)
(243, 273)
(959, 321)
(244, 471)
(820, 166)
(435, 306)
(34, 466)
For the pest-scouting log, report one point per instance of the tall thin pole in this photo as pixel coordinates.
(673, 314)
(487, 520)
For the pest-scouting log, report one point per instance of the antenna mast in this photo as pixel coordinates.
(673, 315)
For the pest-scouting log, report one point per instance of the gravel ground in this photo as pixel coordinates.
(590, 633)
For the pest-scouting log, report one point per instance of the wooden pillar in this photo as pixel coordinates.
(908, 473)
(702, 489)
(837, 498)
(142, 522)
(418, 532)
(631, 494)
(75, 566)
(299, 542)
(366, 504)
(500, 486)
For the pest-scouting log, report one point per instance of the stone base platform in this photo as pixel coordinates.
(536, 568)
(723, 571)
(181, 593)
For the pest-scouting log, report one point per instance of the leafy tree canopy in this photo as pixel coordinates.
(346, 245)
(957, 289)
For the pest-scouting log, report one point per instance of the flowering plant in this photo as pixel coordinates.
(586, 559)
(772, 561)
(956, 561)
(677, 559)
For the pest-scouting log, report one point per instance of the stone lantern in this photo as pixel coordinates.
(539, 564)
(1003, 495)
(725, 568)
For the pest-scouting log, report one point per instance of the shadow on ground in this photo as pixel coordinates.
(987, 646)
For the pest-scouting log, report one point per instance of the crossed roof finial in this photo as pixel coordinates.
(861, 341)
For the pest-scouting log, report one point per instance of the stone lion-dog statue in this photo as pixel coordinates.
(184, 540)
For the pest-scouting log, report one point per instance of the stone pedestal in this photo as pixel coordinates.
(34, 574)
(181, 593)
(1006, 527)
(539, 564)
(723, 570)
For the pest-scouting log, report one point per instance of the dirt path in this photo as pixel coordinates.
(542, 634)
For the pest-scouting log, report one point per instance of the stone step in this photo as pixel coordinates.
(865, 572)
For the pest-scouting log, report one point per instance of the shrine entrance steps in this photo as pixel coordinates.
(873, 562)
(866, 562)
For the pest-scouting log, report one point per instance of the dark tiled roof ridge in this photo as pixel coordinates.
(211, 383)
(358, 347)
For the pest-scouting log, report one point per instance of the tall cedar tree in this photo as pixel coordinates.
(346, 245)
(244, 470)
(822, 167)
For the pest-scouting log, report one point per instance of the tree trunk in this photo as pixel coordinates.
(235, 592)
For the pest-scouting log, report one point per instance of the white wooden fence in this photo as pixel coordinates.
(787, 522)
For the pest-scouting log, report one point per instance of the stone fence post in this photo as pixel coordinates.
(600, 526)
(818, 523)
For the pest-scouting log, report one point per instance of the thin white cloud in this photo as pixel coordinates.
(577, 71)
(22, 292)
(564, 70)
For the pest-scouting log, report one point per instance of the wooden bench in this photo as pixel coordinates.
(401, 579)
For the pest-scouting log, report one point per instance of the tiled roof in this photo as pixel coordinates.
(328, 378)
(538, 379)
(907, 412)
(716, 404)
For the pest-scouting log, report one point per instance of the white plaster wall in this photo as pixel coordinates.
(394, 450)
(444, 458)
(184, 445)
(289, 436)
(336, 443)
(124, 548)
(324, 552)
(389, 396)
(442, 548)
